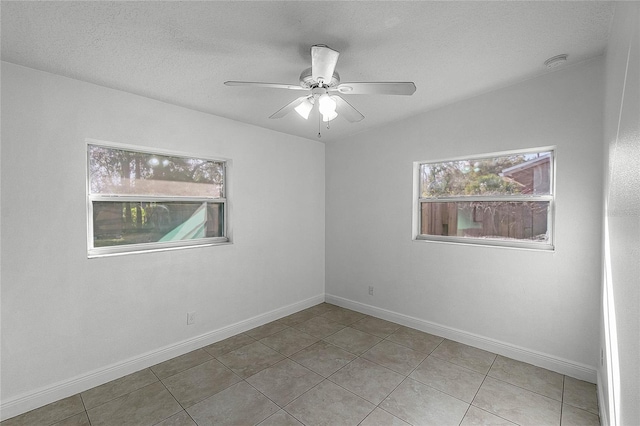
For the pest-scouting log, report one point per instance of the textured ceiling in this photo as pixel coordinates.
(182, 52)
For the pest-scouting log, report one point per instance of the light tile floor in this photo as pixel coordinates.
(328, 365)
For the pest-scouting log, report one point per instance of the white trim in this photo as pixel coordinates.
(145, 150)
(65, 388)
(134, 248)
(47, 394)
(488, 199)
(604, 418)
(491, 154)
(550, 362)
(487, 242)
(416, 217)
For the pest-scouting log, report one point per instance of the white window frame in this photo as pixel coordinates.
(94, 252)
(506, 243)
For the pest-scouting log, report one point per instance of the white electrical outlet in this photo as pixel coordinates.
(191, 318)
(370, 290)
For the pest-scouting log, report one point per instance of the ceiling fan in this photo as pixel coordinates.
(322, 82)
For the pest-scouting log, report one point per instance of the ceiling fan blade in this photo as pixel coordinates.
(382, 88)
(346, 110)
(268, 85)
(323, 63)
(288, 108)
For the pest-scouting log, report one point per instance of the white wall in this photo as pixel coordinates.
(537, 306)
(69, 321)
(619, 375)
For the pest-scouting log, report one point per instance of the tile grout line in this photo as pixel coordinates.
(397, 386)
(357, 356)
(327, 378)
(360, 356)
(525, 389)
(385, 338)
(172, 395)
(478, 390)
(288, 357)
(263, 394)
(86, 412)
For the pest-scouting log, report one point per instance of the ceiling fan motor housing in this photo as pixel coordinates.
(307, 81)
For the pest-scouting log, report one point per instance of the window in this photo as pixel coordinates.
(140, 200)
(504, 199)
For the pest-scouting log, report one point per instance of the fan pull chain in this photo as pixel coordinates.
(320, 125)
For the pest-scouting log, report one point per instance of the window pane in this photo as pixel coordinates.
(119, 172)
(526, 220)
(505, 175)
(122, 223)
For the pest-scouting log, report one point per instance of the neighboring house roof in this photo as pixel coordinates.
(526, 165)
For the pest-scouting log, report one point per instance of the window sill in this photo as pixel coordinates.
(519, 245)
(151, 248)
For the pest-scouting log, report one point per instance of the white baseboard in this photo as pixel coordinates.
(602, 404)
(37, 398)
(47, 394)
(550, 362)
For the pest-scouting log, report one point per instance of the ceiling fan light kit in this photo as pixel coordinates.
(327, 107)
(305, 107)
(323, 82)
(330, 116)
